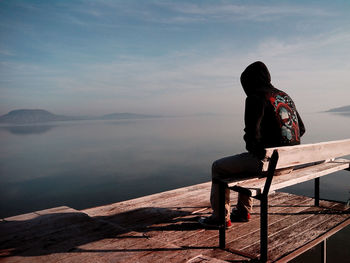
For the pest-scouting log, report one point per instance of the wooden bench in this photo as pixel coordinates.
(300, 163)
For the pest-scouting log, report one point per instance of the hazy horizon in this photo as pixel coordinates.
(86, 57)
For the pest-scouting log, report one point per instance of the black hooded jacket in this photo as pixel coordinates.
(271, 118)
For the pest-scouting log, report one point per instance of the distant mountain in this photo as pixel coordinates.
(340, 109)
(31, 116)
(26, 116)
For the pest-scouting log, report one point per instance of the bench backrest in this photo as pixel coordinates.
(290, 156)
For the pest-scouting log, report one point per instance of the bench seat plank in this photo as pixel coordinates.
(256, 186)
(308, 153)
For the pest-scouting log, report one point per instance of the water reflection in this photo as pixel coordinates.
(84, 164)
(345, 114)
(25, 130)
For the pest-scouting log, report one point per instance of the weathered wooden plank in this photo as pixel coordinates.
(21, 218)
(169, 232)
(306, 174)
(24, 217)
(154, 199)
(62, 241)
(226, 255)
(309, 153)
(177, 255)
(39, 226)
(187, 227)
(178, 206)
(144, 214)
(178, 229)
(249, 233)
(313, 243)
(102, 218)
(256, 186)
(47, 233)
(16, 259)
(121, 249)
(206, 259)
(289, 244)
(55, 233)
(186, 254)
(277, 221)
(73, 252)
(15, 232)
(240, 230)
(183, 228)
(141, 218)
(292, 226)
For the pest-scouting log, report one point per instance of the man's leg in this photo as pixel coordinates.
(244, 204)
(214, 197)
(234, 167)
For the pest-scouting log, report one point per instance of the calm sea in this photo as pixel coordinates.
(89, 163)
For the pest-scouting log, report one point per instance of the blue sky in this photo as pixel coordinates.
(169, 57)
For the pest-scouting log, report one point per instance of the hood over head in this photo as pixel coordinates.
(255, 77)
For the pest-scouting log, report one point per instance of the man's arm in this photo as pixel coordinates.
(254, 111)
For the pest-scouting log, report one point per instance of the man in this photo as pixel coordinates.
(271, 120)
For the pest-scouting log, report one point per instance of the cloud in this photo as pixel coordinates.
(300, 65)
(6, 52)
(179, 12)
(186, 13)
(325, 51)
(117, 70)
(187, 81)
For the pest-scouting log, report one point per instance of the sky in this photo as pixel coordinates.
(169, 57)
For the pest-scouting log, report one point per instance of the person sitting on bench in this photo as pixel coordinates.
(271, 120)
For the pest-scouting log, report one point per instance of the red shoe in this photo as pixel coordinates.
(239, 217)
(211, 222)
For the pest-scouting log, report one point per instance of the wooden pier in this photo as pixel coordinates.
(163, 228)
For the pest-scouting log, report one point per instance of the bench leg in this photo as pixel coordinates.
(317, 191)
(324, 251)
(263, 229)
(222, 212)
